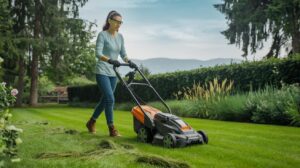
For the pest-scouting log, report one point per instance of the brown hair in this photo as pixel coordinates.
(110, 15)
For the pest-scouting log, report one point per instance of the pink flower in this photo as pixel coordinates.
(14, 92)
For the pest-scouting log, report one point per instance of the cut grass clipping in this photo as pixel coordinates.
(161, 162)
(104, 148)
(107, 147)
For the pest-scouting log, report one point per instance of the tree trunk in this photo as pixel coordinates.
(55, 63)
(296, 42)
(275, 48)
(35, 57)
(20, 86)
(34, 78)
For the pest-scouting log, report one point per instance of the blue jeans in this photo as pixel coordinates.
(107, 85)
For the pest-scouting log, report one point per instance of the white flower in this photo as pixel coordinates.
(3, 83)
(18, 141)
(13, 128)
(15, 160)
(8, 115)
(1, 60)
(20, 130)
(14, 92)
(2, 120)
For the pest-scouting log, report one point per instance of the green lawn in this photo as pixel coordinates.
(231, 144)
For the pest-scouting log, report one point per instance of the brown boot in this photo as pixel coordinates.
(112, 131)
(91, 126)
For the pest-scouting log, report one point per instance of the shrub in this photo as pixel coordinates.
(45, 85)
(184, 108)
(78, 81)
(9, 134)
(230, 108)
(273, 106)
(213, 90)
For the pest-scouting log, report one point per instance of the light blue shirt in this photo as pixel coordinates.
(111, 47)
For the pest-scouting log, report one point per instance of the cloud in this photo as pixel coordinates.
(177, 32)
(200, 40)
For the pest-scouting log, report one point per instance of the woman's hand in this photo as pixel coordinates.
(116, 63)
(132, 64)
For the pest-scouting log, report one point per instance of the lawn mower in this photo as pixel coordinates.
(154, 126)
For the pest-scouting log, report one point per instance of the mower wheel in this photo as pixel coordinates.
(204, 136)
(169, 141)
(144, 135)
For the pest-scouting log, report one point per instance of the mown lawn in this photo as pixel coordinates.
(231, 144)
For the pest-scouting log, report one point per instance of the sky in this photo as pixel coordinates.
(178, 29)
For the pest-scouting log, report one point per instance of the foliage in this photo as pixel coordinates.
(9, 134)
(252, 22)
(272, 106)
(209, 92)
(45, 85)
(5, 25)
(1, 71)
(78, 81)
(231, 108)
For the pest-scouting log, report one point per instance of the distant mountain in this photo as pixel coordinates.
(162, 65)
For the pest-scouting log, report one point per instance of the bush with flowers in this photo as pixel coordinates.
(9, 134)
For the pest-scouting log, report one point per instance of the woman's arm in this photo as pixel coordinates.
(123, 53)
(99, 48)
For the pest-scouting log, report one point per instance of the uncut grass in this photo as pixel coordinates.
(230, 144)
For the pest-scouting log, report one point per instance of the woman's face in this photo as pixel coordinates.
(115, 23)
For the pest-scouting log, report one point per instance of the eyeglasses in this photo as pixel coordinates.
(117, 21)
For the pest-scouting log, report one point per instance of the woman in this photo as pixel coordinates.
(109, 45)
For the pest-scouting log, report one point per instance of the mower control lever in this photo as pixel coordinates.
(130, 76)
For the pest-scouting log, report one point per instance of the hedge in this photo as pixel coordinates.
(247, 76)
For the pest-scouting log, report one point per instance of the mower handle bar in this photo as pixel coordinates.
(143, 84)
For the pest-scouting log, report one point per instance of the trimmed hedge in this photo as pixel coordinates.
(246, 76)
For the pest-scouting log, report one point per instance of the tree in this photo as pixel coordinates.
(22, 32)
(44, 38)
(15, 41)
(58, 22)
(5, 23)
(6, 37)
(252, 22)
(68, 41)
(37, 30)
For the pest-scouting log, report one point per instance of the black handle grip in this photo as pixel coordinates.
(124, 64)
